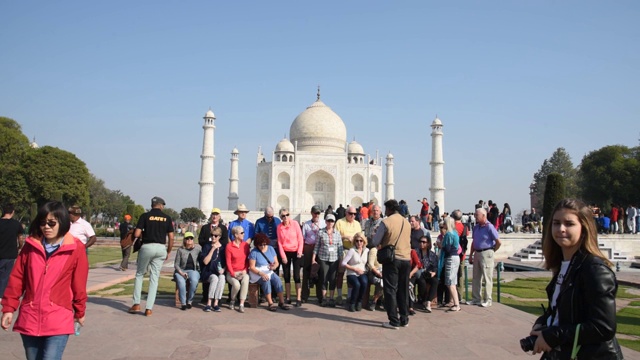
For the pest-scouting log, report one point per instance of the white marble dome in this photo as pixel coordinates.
(436, 121)
(209, 114)
(355, 148)
(284, 145)
(319, 129)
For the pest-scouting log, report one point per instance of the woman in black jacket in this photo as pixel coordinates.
(581, 292)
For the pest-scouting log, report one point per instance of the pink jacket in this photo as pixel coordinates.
(290, 238)
(53, 290)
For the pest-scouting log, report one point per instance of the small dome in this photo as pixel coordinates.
(209, 114)
(319, 129)
(235, 151)
(436, 121)
(284, 145)
(389, 156)
(355, 148)
(34, 144)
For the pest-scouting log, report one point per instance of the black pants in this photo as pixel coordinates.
(396, 291)
(296, 262)
(327, 274)
(427, 287)
(307, 254)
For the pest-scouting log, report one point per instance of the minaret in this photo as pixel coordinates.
(206, 168)
(389, 193)
(233, 180)
(437, 165)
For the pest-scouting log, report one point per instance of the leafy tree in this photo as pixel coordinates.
(553, 193)
(611, 175)
(559, 162)
(192, 214)
(14, 146)
(50, 171)
(174, 214)
(98, 196)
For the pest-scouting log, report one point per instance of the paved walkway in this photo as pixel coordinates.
(310, 332)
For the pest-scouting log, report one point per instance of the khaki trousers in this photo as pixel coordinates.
(483, 264)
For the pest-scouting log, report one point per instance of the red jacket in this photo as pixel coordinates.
(53, 290)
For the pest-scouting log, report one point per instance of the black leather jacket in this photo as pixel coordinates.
(587, 297)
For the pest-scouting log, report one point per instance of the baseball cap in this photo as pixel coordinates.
(316, 209)
(158, 200)
(330, 217)
(215, 211)
(188, 234)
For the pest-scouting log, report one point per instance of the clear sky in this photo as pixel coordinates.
(124, 85)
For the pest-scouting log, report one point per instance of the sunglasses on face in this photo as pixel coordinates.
(424, 242)
(189, 238)
(330, 221)
(284, 215)
(352, 213)
(360, 241)
(51, 223)
(216, 236)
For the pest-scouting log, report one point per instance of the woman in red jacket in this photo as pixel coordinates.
(51, 262)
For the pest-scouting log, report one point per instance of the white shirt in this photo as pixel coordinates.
(81, 230)
(563, 272)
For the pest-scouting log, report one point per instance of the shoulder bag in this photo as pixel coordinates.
(253, 277)
(387, 254)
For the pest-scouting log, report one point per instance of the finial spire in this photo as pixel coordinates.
(318, 98)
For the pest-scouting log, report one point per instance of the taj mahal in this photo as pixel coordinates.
(314, 166)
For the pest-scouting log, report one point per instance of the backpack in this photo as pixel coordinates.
(464, 242)
(127, 240)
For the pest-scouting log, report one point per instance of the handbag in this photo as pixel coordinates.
(137, 244)
(387, 254)
(127, 240)
(264, 268)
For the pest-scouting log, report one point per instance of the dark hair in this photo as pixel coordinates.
(59, 211)
(588, 236)
(260, 238)
(392, 205)
(426, 237)
(7, 209)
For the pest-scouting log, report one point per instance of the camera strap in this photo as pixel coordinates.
(576, 347)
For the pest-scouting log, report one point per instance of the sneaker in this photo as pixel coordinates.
(232, 307)
(183, 307)
(404, 325)
(372, 306)
(332, 303)
(298, 303)
(427, 308)
(358, 306)
(216, 308)
(339, 300)
(207, 308)
(486, 303)
(474, 302)
(241, 309)
(387, 325)
(352, 308)
(287, 301)
(189, 306)
(412, 312)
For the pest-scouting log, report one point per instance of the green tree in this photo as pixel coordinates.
(14, 146)
(98, 197)
(172, 213)
(192, 214)
(554, 192)
(559, 162)
(50, 171)
(611, 175)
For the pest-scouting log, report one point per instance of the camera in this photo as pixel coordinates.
(527, 343)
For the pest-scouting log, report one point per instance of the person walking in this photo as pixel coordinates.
(10, 244)
(125, 227)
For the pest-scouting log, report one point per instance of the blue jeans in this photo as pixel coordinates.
(6, 265)
(274, 284)
(359, 285)
(194, 277)
(44, 347)
(436, 226)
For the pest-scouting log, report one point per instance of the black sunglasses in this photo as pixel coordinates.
(51, 223)
(284, 215)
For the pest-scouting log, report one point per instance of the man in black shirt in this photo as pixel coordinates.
(10, 243)
(125, 227)
(154, 227)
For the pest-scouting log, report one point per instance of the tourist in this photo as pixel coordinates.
(249, 228)
(187, 268)
(435, 217)
(417, 231)
(347, 228)
(236, 253)
(262, 262)
(449, 262)
(464, 245)
(154, 227)
(444, 300)
(631, 212)
(268, 224)
(341, 212)
(582, 291)
(355, 262)
(364, 213)
(327, 253)
(80, 228)
(50, 303)
(329, 211)
(424, 214)
(125, 227)
(427, 280)
(395, 230)
(310, 232)
(370, 228)
(290, 246)
(212, 264)
(375, 276)
(10, 243)
(486, 242)
(206, 237)
(536, 224)
(416, 267)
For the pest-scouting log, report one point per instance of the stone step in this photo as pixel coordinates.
(635, 264)
(523, 259)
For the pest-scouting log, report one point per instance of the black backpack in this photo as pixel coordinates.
(464, 242)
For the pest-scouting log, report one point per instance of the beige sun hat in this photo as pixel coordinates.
(241, 208)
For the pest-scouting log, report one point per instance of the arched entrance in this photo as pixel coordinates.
(320, 190)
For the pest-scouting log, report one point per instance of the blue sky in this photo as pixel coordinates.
(124, 86)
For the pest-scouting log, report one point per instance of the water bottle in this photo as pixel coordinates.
(76, 327)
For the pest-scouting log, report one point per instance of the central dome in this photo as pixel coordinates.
(319, 129)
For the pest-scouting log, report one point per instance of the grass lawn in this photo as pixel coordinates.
(107, 254)
(529, 292)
